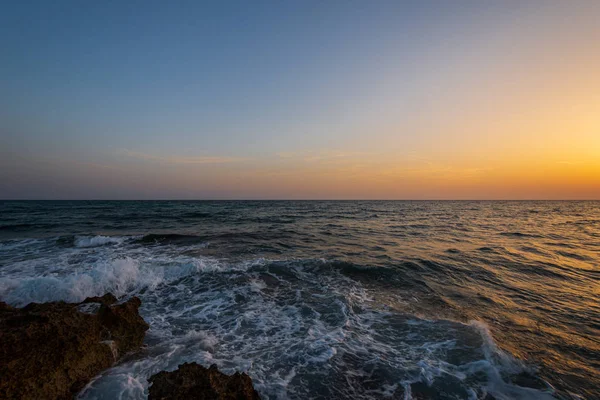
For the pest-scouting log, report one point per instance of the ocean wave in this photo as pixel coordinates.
(196, 214)
(24, 226)
(122, 277)
(18, 243)
(117, 277)
(520, 235)
(99, 240)
(170, 238)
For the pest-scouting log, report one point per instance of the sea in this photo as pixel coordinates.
(330, 299)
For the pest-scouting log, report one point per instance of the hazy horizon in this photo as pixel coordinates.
(317, 101)
(284, 200)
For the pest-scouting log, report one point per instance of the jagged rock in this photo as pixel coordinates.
(193, 381)
(51, 350)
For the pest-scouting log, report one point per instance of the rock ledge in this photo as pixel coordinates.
(51, 350)
(193, 381)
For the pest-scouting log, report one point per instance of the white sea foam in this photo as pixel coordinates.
(120, 276)
(498, 362)
(117, 277)
(99, 240)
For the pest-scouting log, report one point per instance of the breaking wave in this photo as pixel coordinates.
(122, 277)
(93, 241)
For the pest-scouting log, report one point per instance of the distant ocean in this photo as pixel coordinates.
(331, 299)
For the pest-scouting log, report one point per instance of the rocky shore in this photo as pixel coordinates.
(52, 350)
(193, 381)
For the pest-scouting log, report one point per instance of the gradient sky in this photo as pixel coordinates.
(309, 100)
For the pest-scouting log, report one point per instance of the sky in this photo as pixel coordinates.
(300, 99)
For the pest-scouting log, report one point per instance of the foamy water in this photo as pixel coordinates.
(327, 300)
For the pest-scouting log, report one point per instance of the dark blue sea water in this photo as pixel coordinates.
(331, 300)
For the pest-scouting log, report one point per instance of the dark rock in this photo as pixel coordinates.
(108, 299)
(51, 350)
(193, 381)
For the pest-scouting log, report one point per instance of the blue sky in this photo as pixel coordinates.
(150, 99)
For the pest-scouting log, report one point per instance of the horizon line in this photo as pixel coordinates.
(291, 199)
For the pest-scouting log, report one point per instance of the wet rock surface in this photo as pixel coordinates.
(51, 350)
(193, 381)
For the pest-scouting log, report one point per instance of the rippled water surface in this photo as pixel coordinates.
(331, 300)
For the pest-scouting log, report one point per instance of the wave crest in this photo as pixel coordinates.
(121, 277)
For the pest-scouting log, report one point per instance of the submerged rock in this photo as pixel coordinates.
(51, 350)
(193, 381)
